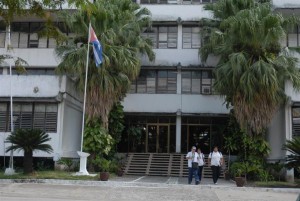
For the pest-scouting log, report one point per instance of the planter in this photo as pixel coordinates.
(226, 176)
(104, 176)
(119, 172)
(240, 181)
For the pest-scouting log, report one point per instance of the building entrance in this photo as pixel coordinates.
(158, 137)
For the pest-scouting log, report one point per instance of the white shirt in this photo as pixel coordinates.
(201, 159)
(215, 158)
(194, 159)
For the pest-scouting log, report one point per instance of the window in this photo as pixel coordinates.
(296, 121)
(154, 1)
(191, 37)
(155, 81)
(25, 35)
(162, 37)
(2, 34)
(293, 39)
(35, 71)
(29, 115)
(196, 82)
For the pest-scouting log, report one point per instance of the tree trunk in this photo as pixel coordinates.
(28, 162)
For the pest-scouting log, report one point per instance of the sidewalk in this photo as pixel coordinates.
(144, 188)
(155, 182)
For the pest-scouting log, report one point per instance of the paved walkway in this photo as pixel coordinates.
(129, 188)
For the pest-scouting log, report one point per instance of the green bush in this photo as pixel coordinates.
(67, 162)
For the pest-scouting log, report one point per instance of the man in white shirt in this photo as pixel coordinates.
(193, 158)
(215, 160)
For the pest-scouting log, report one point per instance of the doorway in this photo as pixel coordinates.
(158, 138)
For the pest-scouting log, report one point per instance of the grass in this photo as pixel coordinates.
(63, 175)
(276, 184)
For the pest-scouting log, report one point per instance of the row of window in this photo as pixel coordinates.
(28, 116)
(164, 37)
(25, 35)
(176, 1)
(165, 82)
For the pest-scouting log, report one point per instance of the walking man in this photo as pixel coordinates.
(215, 160)
(193, 158)
(201, 163)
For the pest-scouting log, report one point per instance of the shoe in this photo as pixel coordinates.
(197, 182)
(216, 183)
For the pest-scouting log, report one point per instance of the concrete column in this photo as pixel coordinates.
(178, 131)
(179, 111)
(179, 39)
(179, 80)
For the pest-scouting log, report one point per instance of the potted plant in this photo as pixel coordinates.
(238, 170)
(239, 179)
(226, 175)
(104, 169)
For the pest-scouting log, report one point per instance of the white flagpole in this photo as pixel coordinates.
(10, 169)
(83, 156)
(85, 86)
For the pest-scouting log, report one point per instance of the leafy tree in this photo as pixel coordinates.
(118, 25)
(116, 122)
(293, 159)
(29, 140)
(253, 67)
(96, 141)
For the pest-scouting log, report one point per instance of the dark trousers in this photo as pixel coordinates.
(200, 168)
(193, 172)
(215, 172)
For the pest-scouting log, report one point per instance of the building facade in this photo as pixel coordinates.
(172, 100)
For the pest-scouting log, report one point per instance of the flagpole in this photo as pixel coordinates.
(85, 86)
(10, 170)
(83, 156)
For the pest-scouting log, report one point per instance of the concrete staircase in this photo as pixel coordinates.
(162, 164)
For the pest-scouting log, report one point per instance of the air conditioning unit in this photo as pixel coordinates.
(206, 90)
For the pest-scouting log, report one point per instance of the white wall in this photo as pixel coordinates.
(162, 12)
(71, 132)
(54, 143)
(286, 3)
(170, 103)
(35, 56)
(276, 136)
(23, 85)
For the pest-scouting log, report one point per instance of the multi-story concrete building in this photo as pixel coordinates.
(172, 100)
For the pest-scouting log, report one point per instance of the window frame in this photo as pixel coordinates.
(202, 86)
(167, 89)
(157, 43)
(26, 119)
(191, 36)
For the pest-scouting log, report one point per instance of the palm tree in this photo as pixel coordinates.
(118, 24)
(29, 140)
(253, 67)
(293, 146)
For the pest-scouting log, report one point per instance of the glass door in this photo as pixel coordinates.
(163, 139)
(152, 138)
(199, 136)
(158, 138)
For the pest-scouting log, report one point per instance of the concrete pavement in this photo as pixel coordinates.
(138, 188)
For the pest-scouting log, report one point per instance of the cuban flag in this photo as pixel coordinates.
(96, 47)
